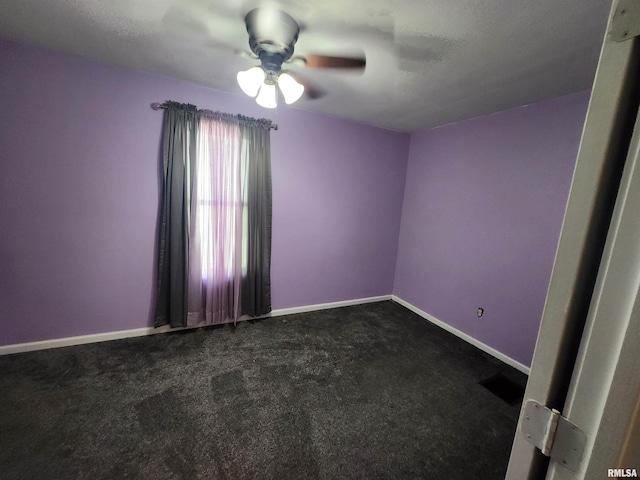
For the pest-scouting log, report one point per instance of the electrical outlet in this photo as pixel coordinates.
(480, 312)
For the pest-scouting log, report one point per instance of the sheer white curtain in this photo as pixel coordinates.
(216, 234)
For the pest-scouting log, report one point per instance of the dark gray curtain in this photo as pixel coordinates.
(256, 283)
(178, 154)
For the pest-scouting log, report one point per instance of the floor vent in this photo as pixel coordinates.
(502, 387)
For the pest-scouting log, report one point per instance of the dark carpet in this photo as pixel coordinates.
(505, 388)
(364, 392)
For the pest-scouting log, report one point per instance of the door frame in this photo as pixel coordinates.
(590, 318)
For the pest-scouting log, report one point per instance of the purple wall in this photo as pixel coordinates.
(79, 197)
(482, 213)
(79, 145)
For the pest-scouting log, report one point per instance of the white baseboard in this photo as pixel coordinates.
(140, 332)
(326, 306)
(468, 338)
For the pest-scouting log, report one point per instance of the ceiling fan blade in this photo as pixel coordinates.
(245, 54)
(179, 23)
(183, 25)
(218, 45)
(325, 61)
(311, 91)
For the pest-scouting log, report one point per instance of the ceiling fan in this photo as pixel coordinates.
(272, 38)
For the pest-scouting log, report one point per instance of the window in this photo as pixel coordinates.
(221, 202)
(214, 254)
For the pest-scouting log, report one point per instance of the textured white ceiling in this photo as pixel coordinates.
(429, 62)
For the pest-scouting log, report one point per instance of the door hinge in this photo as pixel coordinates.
(553, 434)
(625, 23)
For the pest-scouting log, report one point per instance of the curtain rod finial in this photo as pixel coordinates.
(156, 106)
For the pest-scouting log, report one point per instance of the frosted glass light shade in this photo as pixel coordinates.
(267, 96)
(290, 88)
(251, 80)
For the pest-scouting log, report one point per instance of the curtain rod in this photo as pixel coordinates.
(162, 106)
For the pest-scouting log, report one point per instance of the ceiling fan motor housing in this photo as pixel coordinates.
(272, 36)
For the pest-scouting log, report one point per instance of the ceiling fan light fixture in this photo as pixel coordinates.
(251, 80)
(267, 96)
(291, 89)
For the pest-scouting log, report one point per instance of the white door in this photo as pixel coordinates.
(587, 358)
